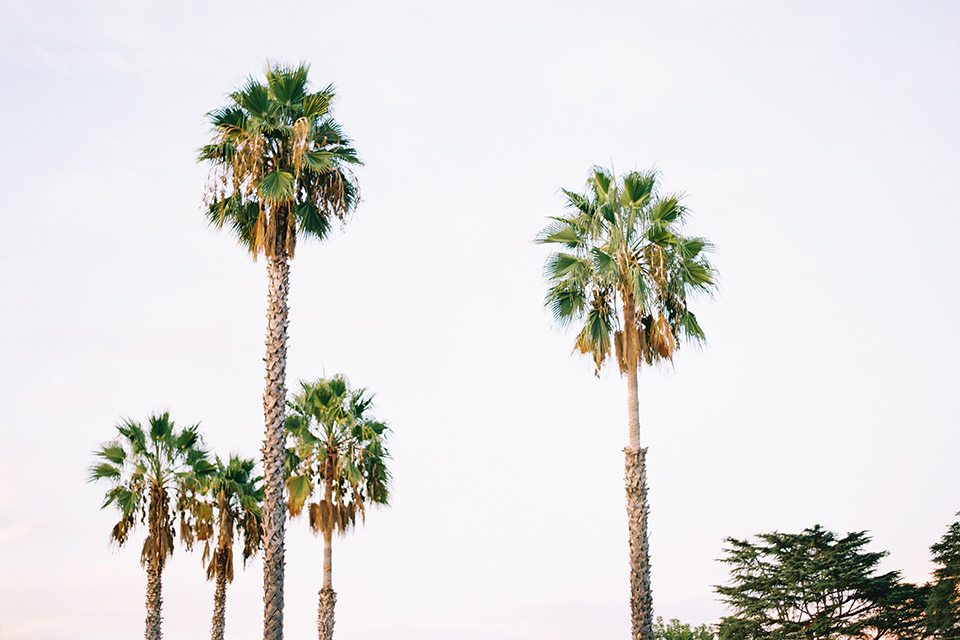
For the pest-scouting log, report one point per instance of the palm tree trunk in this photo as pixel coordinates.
(220, 596)
(632, 361)
(635, 475)
(154, 601)
(328, 597)
(274, 399)
(641, 598)
(328, 600)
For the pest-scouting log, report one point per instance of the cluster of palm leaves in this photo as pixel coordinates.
(163, 478)
(625, 252)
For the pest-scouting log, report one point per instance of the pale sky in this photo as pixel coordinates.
(818, 148)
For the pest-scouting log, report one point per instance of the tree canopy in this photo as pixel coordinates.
(814, 585)
(943, 607)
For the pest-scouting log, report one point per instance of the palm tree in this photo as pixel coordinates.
(627, 273)
(278, 170)
(151, 472)
(233, 496)
(339, 450)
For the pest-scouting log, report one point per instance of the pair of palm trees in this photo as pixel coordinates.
(160, 475)
(627, 271)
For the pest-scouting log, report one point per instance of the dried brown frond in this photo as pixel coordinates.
(260, 243)
(663, 341)
(643, 345)
(587, 347)
(299, 143)
(228, 553)
(291, 239)
(621, 350)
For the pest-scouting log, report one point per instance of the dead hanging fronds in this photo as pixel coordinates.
(621, 351)
(660, 341)
(248, 163)
(291, 238)
(332, 516)
(261, 236)
(656, 261)
(319, 516)
(300, 134)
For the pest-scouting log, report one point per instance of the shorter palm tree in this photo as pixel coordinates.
(231, 501)
(338, 449)
(628, 272)
(152, 472)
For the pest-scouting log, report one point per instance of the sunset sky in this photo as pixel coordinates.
(816, 144)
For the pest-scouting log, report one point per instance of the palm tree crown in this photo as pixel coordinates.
(150, 471)
(232, 505)
(232, 497)
(153, 474)
(337, 445)
(625, 249)
(278, 163)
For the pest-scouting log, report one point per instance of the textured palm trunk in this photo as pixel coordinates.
(641, 598)
(274, 398)
(635, 476)
(154, 601)
(328, 597)
(220, 597)
(328, 600)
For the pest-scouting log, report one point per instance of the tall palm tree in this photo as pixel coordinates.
(338, 450)
(627, 273)
(279, 169)
(151, 472)
(232, 504)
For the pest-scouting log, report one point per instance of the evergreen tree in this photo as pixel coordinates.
(943, 607)
(811, 586)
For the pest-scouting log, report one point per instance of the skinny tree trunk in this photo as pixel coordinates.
(274, 398)
(328, 597)
(641, 598)
(154, 601)
(220, 596)
(633, 362)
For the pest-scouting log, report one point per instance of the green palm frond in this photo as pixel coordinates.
(104, 470)
(287, 85)
(317, 105)
(566, 301)
(561, 233)
(564, 265)
(299, 488)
